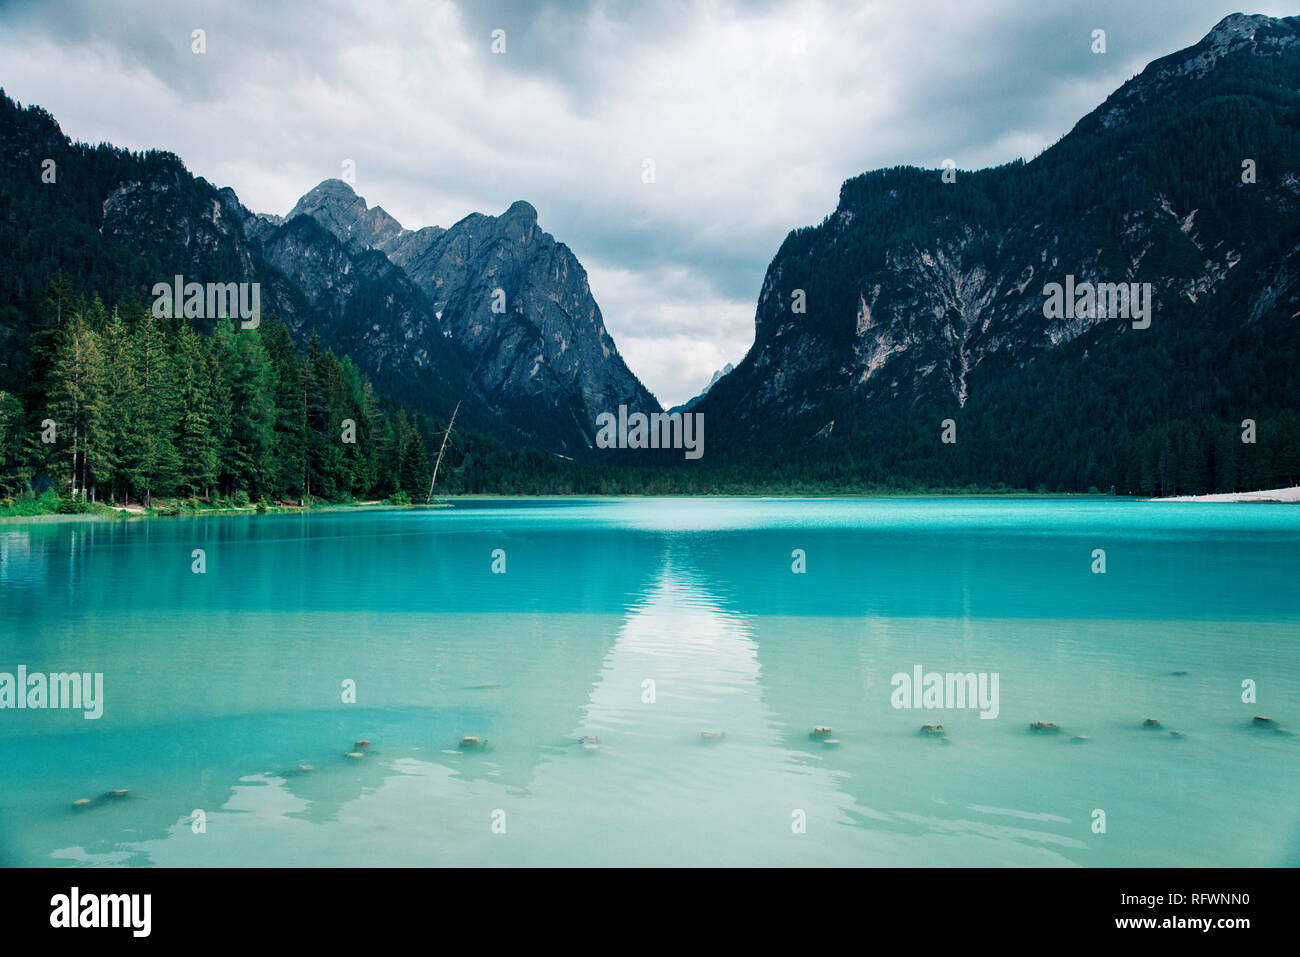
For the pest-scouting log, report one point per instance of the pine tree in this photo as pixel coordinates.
(194, 440)
(75, 402)
(11, 423)
(41, 458)
(414, 473)
(290, 411)
(160, 466)
(99, 460)
(251, 379)
(369, 420)
(223, 410)
(388, 453)
(123, 430)
(349, 405)
(323, 379)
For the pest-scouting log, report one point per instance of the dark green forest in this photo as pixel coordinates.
(146, 408)
(119, 407)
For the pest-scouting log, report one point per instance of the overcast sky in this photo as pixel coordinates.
(752, 112)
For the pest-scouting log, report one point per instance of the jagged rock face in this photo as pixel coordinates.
(550, 342)
(921, 293)
(177, 219)
(514, 302)
(363, 306)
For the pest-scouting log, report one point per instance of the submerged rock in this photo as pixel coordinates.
(117, 794)
(1263, 721)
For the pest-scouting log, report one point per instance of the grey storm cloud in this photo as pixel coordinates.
(753, 113)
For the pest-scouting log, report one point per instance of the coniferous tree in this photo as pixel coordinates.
(388, 452)
(325, 420)
(12, 480)
(195, 443)
(45, 460)
(75, 401)
(160, 464)
(365, 472)
(250, 376)
(291, 414)
(123, 435)
(414, 474)
(223, 413)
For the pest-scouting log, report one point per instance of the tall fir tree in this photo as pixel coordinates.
(76, 402)
(160, 466)
(290, 408)
(250, 376)
(123, 426)
(415, 472)
(195, 442)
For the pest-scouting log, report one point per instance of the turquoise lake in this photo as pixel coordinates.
(645, 623)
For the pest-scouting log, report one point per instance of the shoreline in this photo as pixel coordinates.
(1274, 495)
(119, 513)
(123, 514)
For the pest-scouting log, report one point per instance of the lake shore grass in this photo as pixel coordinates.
(52, 508)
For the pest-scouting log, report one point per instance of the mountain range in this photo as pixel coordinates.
(909, 338)
(492, 313)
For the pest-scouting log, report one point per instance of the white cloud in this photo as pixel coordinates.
(671, 326)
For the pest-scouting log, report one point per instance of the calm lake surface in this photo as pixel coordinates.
(645, 622)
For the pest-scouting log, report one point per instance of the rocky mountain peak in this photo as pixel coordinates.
(1237, 29)
(1240, 31)
(522, 212)
(1268, 41)
(336, 206)
(331, 196)
(693, 402)
(545, 364)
